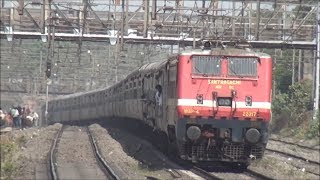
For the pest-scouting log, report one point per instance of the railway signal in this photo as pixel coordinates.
(48, 71)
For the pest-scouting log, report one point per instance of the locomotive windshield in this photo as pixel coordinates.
(242, 66)
(206, 65)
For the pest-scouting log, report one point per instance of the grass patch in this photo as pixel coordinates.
(21, 141)
(7, 149)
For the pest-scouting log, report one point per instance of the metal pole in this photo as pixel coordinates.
(293, 66)
(116, 58)
(317, 60)
(48, 58)
(122, 24)
(233, 18)
(47, 98)
(284, 23)
(258, 20)
(299, 65)
(92, 70)
(43, 23)
(38, 76)
(145, 17)
(108, 65)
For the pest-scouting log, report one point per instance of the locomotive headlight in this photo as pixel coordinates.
(248, 100)
(253, 135)
(193, 132)
(199, 99)
(224, 101)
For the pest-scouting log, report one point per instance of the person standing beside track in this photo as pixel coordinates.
(15, 115)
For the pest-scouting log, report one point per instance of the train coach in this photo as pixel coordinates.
(210, 104)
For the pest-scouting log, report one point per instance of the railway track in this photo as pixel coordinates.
(220, 171)
(226, 172)
(82, 165)
(302, 157)
(295, 144)
(101, 161)
(293, 156)
(310, 166)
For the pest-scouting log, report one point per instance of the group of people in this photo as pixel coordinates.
(18, 117)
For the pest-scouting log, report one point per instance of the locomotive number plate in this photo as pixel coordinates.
(249, 114)
(190, 111)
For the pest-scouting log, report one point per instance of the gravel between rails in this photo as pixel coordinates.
(75, 156)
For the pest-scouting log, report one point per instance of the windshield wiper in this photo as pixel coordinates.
(239, 76)
(203, 74)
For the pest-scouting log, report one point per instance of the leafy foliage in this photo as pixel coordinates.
(292, 109)
(282, 77)
(314, 129)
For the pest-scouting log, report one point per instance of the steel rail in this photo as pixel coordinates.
(204, 174)
(258, 175)
(292, 155)
(247, 172)
(102, 163)
(52, 156)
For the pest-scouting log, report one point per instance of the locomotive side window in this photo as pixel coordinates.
(242, 66)
(206, 65)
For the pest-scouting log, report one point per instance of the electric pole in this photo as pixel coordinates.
(317, 61)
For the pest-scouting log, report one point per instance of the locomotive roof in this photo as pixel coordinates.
(226, 52)
(151, 67)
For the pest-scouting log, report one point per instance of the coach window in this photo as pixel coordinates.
(242, 66)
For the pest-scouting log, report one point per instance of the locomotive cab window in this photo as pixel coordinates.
(240, 66)
(206, 65)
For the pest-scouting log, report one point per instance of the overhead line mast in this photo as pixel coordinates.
(317, 61)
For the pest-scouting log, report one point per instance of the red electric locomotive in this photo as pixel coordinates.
(223, 104)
